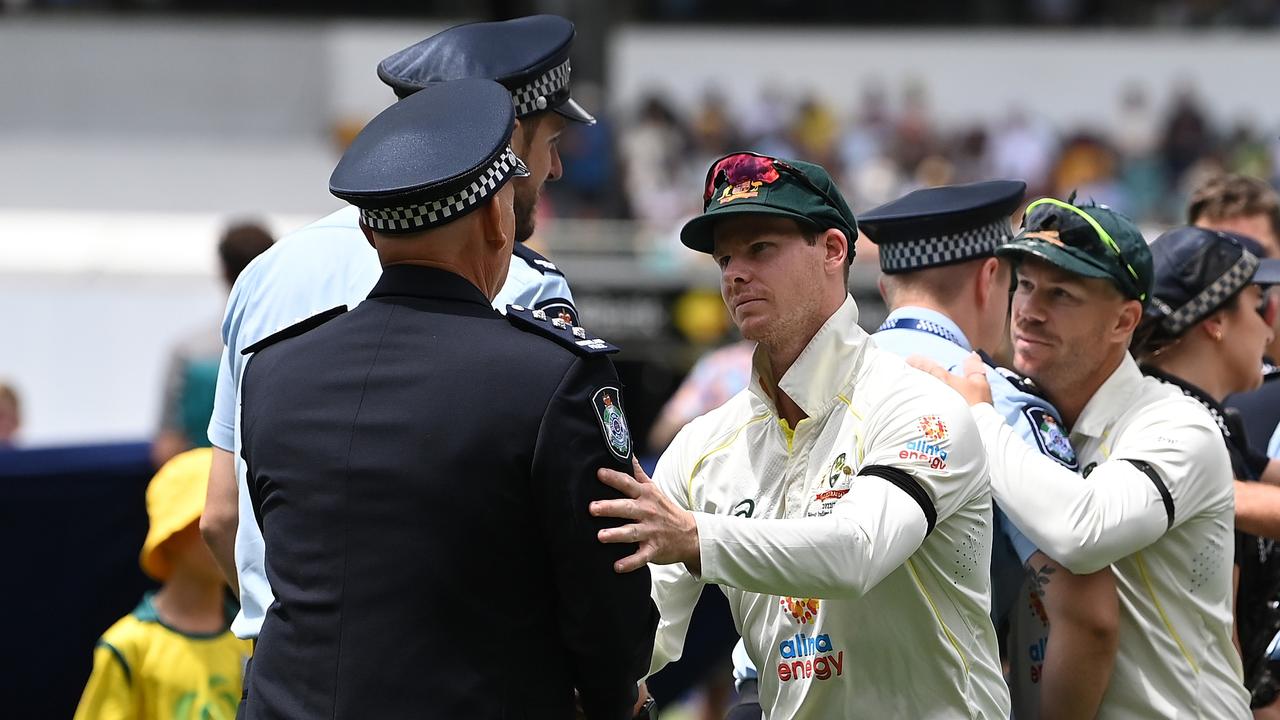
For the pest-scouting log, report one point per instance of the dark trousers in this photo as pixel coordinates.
(244, 694)
(748, 705)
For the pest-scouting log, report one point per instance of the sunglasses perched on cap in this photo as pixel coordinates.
(1073, 226)
(749, 167)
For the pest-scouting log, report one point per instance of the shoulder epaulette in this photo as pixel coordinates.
(535, 260)
(295, 329)
(571, 336)
(1021, 382)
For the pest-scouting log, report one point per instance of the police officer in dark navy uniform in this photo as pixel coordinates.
(421, 466)
(530, 57)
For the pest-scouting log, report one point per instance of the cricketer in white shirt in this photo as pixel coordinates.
(854, 551)
(1157, 505)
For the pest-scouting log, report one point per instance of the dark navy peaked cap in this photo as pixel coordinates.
(943, 225)
(528, 55)
(1198, 270)
(430, 158)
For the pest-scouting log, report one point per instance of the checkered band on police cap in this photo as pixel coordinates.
(415, 218)
(538, 94)
(944, 249)
(1211, 298)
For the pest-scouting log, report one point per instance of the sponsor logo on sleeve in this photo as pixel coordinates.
(929, 447)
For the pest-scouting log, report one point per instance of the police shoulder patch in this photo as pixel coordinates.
(607, 403)
(555, 327)
(1051, 437)
(295, 329)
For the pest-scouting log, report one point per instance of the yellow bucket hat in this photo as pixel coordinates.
(175, 499)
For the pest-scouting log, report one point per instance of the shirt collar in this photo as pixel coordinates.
(426, 282)
(911, 312)
(824, 367)
(1111, 399)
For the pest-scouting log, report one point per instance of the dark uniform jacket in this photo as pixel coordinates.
(1260, 409)
(421, 468)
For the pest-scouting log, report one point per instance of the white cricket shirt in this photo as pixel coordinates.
(850, 604)
(1157, 504)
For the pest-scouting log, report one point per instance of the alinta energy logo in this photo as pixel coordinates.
(805, 656)
(928, 448)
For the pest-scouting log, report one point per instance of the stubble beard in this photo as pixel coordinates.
(525, 207)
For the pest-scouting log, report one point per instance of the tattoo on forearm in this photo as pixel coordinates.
(1042, 579)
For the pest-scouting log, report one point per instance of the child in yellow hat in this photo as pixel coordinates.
(173, 656)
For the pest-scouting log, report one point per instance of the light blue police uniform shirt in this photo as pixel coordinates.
(937, 337)
(1273, 448)
(321, 266)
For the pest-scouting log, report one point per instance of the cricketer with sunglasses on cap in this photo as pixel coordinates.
(1155, 501)
(841, 502)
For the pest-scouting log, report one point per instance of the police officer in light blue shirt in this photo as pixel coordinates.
(948, 296)
(330, 262)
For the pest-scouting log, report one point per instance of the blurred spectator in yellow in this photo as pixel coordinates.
(714, 132)
(1246, 153)
(173, 656)
(815, 130)
(192, 374)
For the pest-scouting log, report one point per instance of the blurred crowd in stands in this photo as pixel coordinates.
(1143, 159)
(1034, 13)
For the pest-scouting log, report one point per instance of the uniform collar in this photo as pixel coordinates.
(1111, 400)
(426, 282)
(911, 312)
(1195, 393)
(823, 369)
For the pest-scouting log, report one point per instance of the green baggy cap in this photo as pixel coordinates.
(745, 183)
(1090, 241)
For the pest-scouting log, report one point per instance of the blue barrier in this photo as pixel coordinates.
(72, 521)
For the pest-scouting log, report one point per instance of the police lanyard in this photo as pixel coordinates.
(926, 326)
